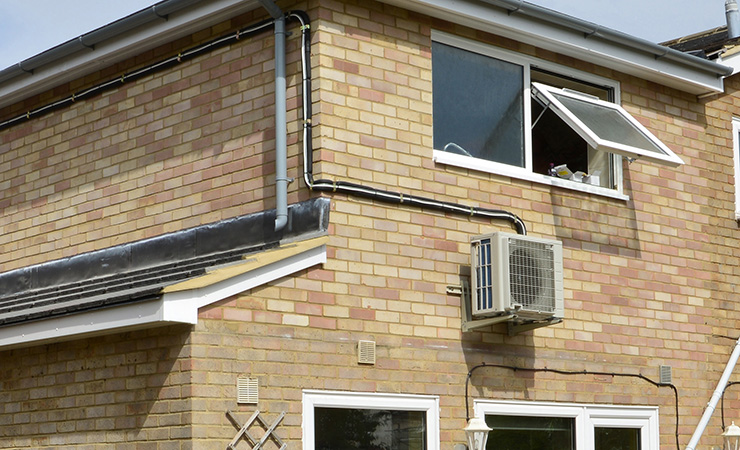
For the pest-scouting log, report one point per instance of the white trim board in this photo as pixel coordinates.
(171, 308)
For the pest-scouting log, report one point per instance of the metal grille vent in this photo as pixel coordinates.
(247, 390)
(531, 275)
(366, 352)
(666, 375)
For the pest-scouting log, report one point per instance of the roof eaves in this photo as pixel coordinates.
(561, 33)
(131, 35)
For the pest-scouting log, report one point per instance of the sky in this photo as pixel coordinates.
(28, 27)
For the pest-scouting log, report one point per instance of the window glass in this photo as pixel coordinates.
(616, 438)
(340, 420)
(604, 125)
(369, 429)
(608, 124)
(478, 105)
(530, 433)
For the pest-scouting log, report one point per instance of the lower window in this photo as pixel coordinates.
(554, 426)
(335, 420)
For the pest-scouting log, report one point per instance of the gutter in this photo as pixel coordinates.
(87, 41)
(590, 29)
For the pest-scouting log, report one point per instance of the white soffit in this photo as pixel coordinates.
(177, 305)
(117, 48)
(570, 42)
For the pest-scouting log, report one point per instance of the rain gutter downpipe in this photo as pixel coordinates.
(716, 396)
(281, 127)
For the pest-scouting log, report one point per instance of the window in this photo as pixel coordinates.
(736, 159)
(348, 420)
(515, 115)
(555, 426)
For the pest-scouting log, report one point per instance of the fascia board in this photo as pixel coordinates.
(121, 47)
(185, 304)
(175, 307)
(568, 42)
(102, 321)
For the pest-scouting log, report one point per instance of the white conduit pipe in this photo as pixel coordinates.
(721, 385)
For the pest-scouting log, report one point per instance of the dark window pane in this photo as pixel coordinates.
(530, 433)
(616, 439)
(369, 429)
(478, 105)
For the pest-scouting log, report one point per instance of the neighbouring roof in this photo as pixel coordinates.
(189, 269)
(709, 44)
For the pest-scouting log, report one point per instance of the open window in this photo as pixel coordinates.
(605, 126)
(511, 114)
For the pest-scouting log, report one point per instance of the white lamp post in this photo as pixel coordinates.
(732, 437)
(477, 432)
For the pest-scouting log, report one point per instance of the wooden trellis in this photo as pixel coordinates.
(244, 431)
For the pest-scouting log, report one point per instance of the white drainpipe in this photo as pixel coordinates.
(721, 385)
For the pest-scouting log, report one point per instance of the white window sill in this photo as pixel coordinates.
(451, 159)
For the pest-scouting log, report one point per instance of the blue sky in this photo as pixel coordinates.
(28, 27)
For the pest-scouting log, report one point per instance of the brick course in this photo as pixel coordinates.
(648, 281)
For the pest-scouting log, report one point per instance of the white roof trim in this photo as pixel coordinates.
(119, 47)
(569, 41)
(172, 308)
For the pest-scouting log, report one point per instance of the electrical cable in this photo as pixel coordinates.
(368, 192)
(569, 372)
(722, 402)
(314, 185)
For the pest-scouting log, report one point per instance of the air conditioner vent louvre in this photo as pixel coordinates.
(516, 274)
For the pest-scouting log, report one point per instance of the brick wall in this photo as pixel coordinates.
(130, 390)
(648, 281)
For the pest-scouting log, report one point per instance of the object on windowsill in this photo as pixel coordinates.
(579, 176)
(551, 171)
(562, 171)
(593, 179)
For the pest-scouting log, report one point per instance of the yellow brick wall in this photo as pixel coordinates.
(648, 281)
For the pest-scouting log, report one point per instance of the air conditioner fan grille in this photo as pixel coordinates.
(531, 275)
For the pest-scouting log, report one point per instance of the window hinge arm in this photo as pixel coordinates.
(545, 107)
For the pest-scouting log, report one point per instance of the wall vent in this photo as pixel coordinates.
(247, 390)
(666, 375)
(516, 275)
(366, 352)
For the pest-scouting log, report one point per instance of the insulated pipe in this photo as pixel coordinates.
(367, 191)
(716, 396)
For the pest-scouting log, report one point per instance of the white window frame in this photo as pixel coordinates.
(525, 173)
(665, 156)
(360, 400)
(736, 162)
(586, 417)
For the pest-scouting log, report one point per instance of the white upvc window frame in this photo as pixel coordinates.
(663, 155)
(525, 173)
(361, 400)
(736, 162)
(586, 417)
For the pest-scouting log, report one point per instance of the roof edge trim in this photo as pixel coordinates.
(171, 308)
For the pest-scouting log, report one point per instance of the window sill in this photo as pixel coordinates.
(451, 159)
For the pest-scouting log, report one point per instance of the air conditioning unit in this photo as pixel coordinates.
(516, 275)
